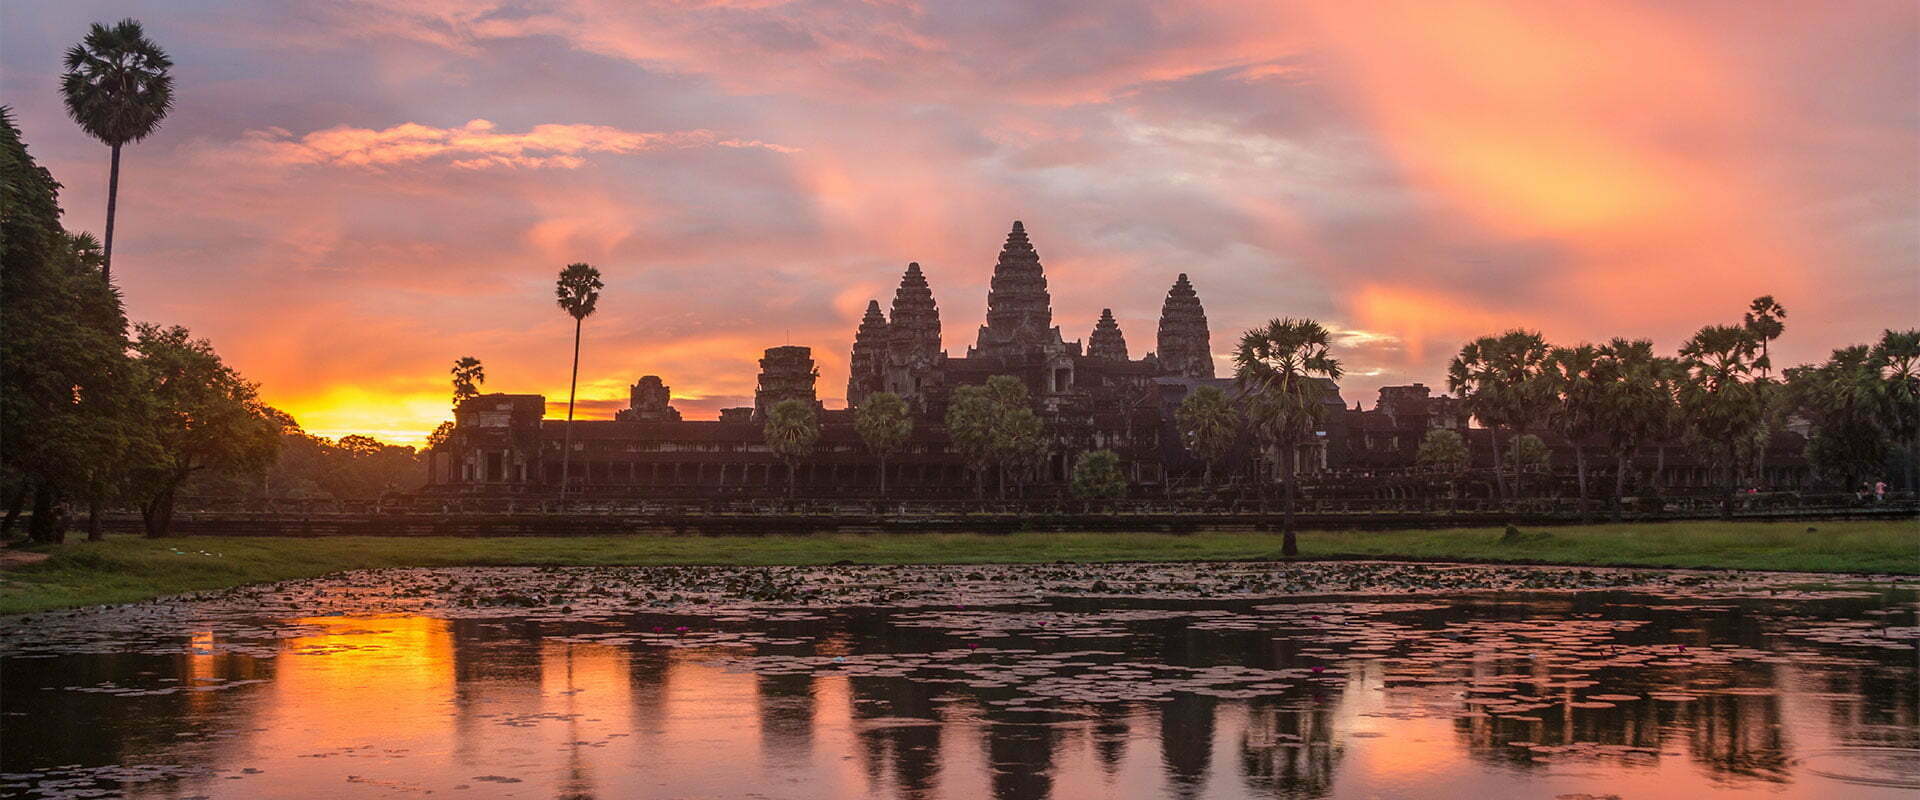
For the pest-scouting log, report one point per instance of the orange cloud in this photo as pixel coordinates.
(475, 145)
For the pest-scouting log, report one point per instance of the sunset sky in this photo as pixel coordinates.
(350, 195)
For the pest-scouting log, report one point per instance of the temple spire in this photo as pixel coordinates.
(914, 332)
(869, 348)
(1019, 309)
(1107, 341)
(1184, 346)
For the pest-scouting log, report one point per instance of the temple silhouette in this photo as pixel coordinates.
(1090, 398)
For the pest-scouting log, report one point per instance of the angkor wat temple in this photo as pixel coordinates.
(1091, 397)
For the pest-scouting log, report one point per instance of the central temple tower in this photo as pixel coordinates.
(1019, 310)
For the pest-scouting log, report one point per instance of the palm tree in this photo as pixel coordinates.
(1280, 370)
(1638, 391)
(118, 89)
(468, 375)
(1578, 412)
(884, 426)
(577, 291)
(1763, 320)
(1722, 399)
(1500, 381)
(1208, 426)
(1895, 361)
(791, 431)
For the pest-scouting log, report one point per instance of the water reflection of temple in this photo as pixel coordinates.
(595, 709)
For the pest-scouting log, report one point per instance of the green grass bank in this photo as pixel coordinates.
(124, 569)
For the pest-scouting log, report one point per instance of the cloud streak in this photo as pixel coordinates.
(476, 145)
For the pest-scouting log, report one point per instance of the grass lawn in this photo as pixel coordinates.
(125, 569)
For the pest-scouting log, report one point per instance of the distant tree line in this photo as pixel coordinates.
(1719, 394)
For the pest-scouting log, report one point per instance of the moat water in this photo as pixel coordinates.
(1225, 681)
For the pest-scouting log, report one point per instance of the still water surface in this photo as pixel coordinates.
(1075, 682)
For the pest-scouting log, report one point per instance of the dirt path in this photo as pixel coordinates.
(13, 559)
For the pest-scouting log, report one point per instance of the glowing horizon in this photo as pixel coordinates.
(349, 197)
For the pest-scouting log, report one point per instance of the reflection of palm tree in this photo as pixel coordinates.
(1020, 756)
(786, 717)
(1110, 736)
(1186, 741)
(579, 783)
(912, 749)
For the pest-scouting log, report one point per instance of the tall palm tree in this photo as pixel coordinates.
(118, 89)
(577, 291)
(1763, 320)
(1280, 369)
(1577, 375)
(791, 430)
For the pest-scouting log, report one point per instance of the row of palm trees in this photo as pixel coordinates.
(1717, 393)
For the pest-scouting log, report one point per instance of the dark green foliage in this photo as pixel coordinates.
(1722, 400)
(1209, 425)
(117, 85)
(67, 411)
(884, 427)
(791, 431)
(994, 426)
(1443, 448)
(200, 414)
(1097, 476)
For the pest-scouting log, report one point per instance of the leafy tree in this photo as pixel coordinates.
(1502, 382)
(69, 416)
(1209, 426)
(1638, 392)
(971, 427)
(468, 375)
(118, 89)
(994, 426)
(1576, 376)
(1443, 448)
(1280, 369)
(1763, 320)
(1722, 399)
(440, 436)
(1097, 476)
(577, 291)
(1019, 436)
(791, 431)
(1846, 444)
(1895, 361)
(1528, 453)
(201, 415)
(884, 426)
